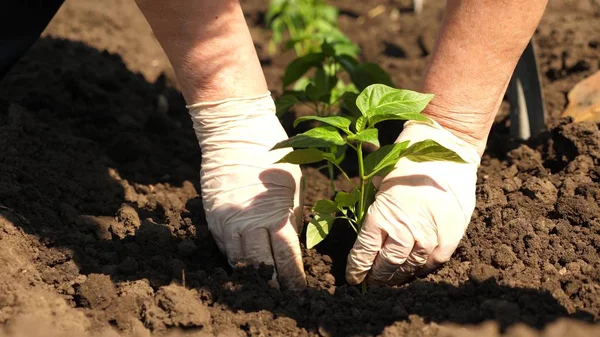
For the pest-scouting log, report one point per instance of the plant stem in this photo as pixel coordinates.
(345, 174)
(317, 109)
(292, 30)
(351, 221)
(361, 200)
(361, 174)
(331, 177)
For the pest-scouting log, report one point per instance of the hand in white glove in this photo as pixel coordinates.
(248, 200)
(420, 213)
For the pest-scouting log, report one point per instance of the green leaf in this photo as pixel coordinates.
(328, 49)
(313, 93)
(300, 66)
(330, 157)
(284, 103)
(347, 62)
(384, 171)
(325, 206)
(369, 73)
(369, 197)
(327, 12)
(404, 116)
(275, 9)
(277, 29)
(387, 155)
(318, 228)
(346, 48)
(339, 122)
(344, 199)
(430, 150)
(291, 43)
(370, 192)
(322, 136)
(337, 92)
(378, 99)
(303, 156)
(368, 135)
(349, 103)
(300, 95)
(322, 86)
(301, 84)
(340, 154)
(361, 122)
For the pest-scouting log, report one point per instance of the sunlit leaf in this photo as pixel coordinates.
(378, 99)
(339, 122)
(344, 199)
(300, 86)
(429, 150)
(404, 116)
(325, 206)
(361, 122)
(317, 229)
(346, 48)
(303, 156)
(369, 136)
(322, 136)
(387, 155)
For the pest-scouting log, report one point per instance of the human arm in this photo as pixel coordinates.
(479, 44)
(251, 204)
(422, 209)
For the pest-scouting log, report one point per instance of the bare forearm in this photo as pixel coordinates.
(479, 44)
(209, 45)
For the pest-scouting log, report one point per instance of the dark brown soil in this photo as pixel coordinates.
(102, 230)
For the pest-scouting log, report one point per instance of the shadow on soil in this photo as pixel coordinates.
(89, 140)
(347, 311)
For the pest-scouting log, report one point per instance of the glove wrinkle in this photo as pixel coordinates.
(245, 195)
(422, 209)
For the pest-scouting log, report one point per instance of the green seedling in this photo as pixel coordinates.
(327, 92)
(323, 50)
(327, 54)
(306, 23)
(376, 103)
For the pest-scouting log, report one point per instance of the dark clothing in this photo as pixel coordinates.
(21, 23)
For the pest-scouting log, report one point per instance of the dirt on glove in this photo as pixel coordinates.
(102, 231)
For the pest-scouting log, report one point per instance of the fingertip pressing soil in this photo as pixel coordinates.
(103, 232)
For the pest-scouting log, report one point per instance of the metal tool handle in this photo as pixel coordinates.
(527, 107)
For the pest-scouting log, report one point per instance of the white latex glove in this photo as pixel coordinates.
(420, 213)
(248, 200)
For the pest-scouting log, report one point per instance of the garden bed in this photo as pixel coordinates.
(101, 225)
